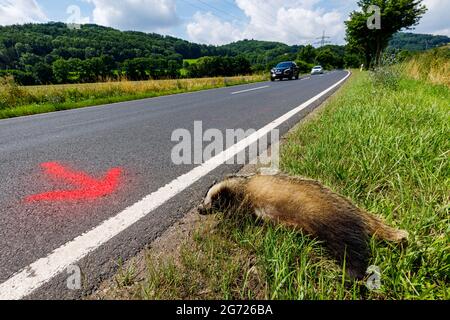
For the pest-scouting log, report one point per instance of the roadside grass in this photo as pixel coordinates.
(432, 66)
(18, 101)
(387, 149)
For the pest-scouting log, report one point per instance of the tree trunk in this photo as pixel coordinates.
(368, 61)
(378, 55)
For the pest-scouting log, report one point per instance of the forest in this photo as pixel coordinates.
(52, 53)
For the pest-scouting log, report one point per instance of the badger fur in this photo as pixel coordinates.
(307, 206)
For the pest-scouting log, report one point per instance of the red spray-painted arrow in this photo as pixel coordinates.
(88, 187)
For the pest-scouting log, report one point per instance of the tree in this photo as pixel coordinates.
(307, 54)
(29, 60)
(61, 70)
(304, 66)
(43, 73)
(173, 68)
(219, 66)
(328, 59)
(138, 68)
(241, 66)
(352, 60)
(395, 15)
(108, 67)
(90, 69)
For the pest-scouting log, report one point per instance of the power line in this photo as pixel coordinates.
(218, 9)
(193, 5)
(265, 17)
(269, 18)
(323, 40)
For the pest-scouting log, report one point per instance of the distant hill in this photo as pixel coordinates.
(54, 40)
(417, 42)
(54, 53)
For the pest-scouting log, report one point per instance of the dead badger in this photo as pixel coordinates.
(307, 206)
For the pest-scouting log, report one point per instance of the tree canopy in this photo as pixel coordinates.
(395, 15)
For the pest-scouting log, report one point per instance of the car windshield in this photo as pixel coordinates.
(284, 65)
(318, 67)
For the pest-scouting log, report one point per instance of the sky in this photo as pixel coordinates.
(214, 21)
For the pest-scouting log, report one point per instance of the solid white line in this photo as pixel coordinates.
(43, 270)
(248, 90)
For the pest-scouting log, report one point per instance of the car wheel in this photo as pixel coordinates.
(272, 79)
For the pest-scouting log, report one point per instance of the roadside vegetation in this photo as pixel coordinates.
(18, 101)
(432, 66)
(382, 141)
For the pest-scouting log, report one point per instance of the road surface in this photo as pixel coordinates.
(39, 239)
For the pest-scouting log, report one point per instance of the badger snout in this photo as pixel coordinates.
(202, 210)
(205, 208)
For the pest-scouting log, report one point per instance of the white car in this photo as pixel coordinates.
(317, 70)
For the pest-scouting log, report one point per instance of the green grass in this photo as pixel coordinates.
(18, 101)
(386, 148)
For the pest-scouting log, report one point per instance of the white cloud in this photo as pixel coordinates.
(298, 21)
(207, 28)
(436, 20)
(288, 21)
(20, 11)
(145, 15)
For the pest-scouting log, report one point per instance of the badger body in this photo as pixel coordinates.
(307, 206)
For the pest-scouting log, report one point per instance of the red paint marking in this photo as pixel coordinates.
(88, 187)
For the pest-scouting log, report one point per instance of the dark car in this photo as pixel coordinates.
(285, 70)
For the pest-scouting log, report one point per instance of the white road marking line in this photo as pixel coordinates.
(248, 90)
(32, 277)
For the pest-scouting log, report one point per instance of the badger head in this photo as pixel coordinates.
(223, 196)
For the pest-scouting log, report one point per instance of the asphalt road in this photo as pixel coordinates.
(135, 136)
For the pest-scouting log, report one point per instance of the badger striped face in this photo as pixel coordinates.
(215, 199)
(222, 196)
(211, 196)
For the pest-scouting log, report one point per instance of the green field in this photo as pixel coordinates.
(383, 141)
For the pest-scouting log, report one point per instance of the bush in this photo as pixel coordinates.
(304, 66)
(219, 67)
(388, 73)
(386, 76)
(11, 95)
